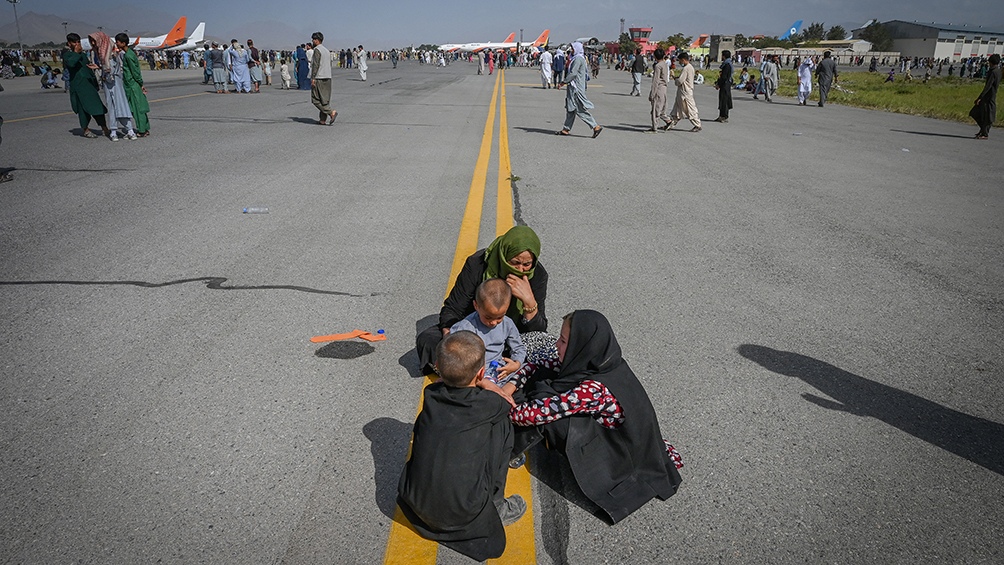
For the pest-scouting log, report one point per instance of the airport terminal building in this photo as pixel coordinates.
(940, 41)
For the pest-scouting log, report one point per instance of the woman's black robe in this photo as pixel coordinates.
(618, 469)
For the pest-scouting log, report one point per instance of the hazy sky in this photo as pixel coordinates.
(389, 23)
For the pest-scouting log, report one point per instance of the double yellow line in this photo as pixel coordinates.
(404, 545)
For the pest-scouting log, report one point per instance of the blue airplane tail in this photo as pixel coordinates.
(793, 30)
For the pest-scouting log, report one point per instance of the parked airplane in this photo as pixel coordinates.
(793, 30)
(195, 41)
(541, 41)
(455, 46)
(172, 38)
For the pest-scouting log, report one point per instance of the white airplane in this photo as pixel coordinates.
(455, 46)
(172, 38)
(541, 41)
(194, 41)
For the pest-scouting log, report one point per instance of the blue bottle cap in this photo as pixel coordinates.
(379, 331)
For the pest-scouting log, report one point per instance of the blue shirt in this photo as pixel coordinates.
(495, 338)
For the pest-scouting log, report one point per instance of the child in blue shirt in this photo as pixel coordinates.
(489, 322)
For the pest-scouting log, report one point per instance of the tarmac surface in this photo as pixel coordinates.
(813, 298)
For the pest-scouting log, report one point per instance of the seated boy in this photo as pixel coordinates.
(496, 330)
(452, 489)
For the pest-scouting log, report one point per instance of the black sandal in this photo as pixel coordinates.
(563, 132)
(596, 131)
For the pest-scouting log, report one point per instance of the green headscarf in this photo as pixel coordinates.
(506, 246)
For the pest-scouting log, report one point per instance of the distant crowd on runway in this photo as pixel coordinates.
(243, 68)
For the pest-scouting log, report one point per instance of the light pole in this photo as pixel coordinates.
(18, 24)
(64, 27)
(520, 36)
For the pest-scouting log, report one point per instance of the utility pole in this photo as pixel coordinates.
(520, 36)
(20, 47)
(64, 27)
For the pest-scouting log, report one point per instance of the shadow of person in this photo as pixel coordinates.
(537, 130)
(303, 120)
(970, 437)
(389, 440)
(410, 360)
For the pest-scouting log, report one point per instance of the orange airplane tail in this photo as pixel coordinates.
(177, 35)
(510, 39)
(542, 40)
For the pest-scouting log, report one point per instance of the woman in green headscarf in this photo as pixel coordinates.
(513, 256)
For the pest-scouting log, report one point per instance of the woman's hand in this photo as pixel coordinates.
(488, 385)
(520, 287)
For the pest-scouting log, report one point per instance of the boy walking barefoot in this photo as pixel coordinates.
(452, 489)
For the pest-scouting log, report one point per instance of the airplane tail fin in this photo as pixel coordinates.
(793, 30)
(199, 34)
(542, 40)
(510, 39)
(177, 35)
(699, 41)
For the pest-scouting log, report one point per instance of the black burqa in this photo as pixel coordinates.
(459, 459)
(985, 113)
(618, 469)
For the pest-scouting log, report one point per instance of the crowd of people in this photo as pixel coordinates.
(125, 106)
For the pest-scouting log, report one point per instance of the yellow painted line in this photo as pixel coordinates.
(503, 207)
(404, 545)
(521, 544)
(73, 114)
(467, 240)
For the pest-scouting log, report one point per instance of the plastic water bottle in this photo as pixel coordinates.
(493, 370)
(256, 210)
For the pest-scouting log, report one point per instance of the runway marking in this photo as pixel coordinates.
(503, 207)
(404, 545)
(521, 544)
(74, 114)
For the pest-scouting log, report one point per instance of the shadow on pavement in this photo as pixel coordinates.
(932, 134)
(344, 350)
(389, 446)
(538, 130)
(970, 437)
(212, 283)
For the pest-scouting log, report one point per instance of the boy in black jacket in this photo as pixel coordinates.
(452, 489)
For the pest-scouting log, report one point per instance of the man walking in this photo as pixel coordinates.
(770, 78)
(657, 96)
(684, 106)
(826, 73)
(637, 69)
(320, 80)
(724, 87)
(545, 68)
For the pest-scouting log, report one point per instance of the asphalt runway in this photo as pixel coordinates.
(813, 298)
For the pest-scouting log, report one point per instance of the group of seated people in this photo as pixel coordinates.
(506, 385)
(747, 81)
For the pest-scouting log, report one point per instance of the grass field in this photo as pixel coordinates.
(946, 98)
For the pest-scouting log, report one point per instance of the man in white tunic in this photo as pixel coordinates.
(362, 63)
(805, 80)
(684, 106)
(545, 68)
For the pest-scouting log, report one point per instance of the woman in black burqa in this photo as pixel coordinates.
(596, 412)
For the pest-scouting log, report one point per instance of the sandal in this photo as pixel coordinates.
(596, 131)
(333, 116)
(563, 132)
